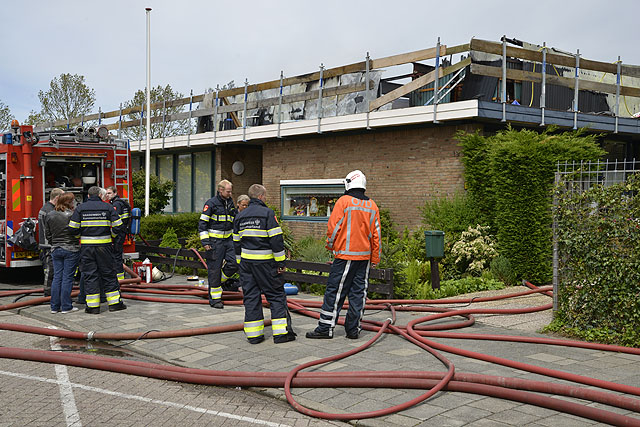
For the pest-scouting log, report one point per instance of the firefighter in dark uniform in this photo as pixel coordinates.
(259, 247)
(215, 228)
(96, 223)
(124, 211)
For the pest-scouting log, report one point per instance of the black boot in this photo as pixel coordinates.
(216, 304)
(92, 310)
(289, 336)
(117, 307)
(316, 335)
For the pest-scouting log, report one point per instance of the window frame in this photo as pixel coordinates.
(311, 184)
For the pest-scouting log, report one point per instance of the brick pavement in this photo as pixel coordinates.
(230, 351)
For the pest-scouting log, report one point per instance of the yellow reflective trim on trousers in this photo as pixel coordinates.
(121, 276)
(254, 329)
(113, 297)
(279, 326)
(93, 300)
(216, 293)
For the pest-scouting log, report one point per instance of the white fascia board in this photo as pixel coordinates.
(377, 119)
(330, 181)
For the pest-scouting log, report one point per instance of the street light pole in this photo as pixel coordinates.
(148, 153)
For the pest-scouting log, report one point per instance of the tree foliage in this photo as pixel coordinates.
(160, 191)
(158, 130)
(5, 117)
(67, 97)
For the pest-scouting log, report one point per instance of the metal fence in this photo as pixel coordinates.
(580, 177)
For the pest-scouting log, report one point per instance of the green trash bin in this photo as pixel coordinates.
(434, 242)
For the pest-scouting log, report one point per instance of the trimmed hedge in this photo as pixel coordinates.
(510, 178)
(153, 227)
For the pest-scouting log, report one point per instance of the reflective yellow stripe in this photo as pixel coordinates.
(124, 215)
(275, 231)
(98, 240)
(256, 256)
(236, 237)
(279, 326)
(254, 329)
(253, 232)
(113, 297)
(204, 217)
(116, 223)
(218, 234)
(216, 293)
(204, 235)
(74, 224)
(93, 300)
(121, 276)
(95, 223)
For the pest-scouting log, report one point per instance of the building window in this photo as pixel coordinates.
(202, 179)
(165, 171)
(183, 183)
(309, 200)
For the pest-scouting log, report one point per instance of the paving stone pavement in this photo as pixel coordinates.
(230, 351)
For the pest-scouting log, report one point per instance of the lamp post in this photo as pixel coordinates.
(148, 153)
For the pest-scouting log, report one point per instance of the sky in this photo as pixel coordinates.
(197, 44)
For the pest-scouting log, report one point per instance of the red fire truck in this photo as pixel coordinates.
(32, 164)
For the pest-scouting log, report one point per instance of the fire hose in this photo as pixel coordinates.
(416, 331)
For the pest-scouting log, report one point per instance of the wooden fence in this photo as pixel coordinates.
(381, 280)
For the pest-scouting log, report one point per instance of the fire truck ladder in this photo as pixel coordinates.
(121, 174)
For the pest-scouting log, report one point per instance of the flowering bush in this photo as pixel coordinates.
(475, 250)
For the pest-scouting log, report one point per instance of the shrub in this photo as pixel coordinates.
(153, 227)
(160, 191)
(170, 239)
(452, 214)
(501, 269)
(475, 250)
(312, 250)
(598, 236)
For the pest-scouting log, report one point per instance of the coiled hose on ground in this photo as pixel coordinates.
(417, 331)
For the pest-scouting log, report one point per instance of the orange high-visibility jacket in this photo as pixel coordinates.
(353, 230)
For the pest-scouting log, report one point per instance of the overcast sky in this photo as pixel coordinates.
(196, 44)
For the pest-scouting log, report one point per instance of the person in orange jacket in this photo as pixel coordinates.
(353, 235)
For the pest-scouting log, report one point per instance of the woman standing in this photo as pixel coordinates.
(65, 252)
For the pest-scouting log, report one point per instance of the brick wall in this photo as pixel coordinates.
(252, 159)
(404, 167)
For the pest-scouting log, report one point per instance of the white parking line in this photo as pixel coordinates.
(145, 399)
(71, 414)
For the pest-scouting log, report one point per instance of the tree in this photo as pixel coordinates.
(5, 117)
(158, 94)
(68, 97)
(159, 192)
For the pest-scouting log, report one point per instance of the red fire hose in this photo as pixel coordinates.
(416, 332)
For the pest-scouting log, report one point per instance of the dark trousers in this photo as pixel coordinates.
(347, 278)
(262, 278)
(47, 266)
(96, 266)
(221, 250)
(118, 261)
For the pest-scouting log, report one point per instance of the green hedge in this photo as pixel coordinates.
(510, 177)
(153, 227)
(599, 245)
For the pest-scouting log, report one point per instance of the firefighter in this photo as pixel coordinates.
(259, 248)
(124, 211)
(45, 249)
(215, 228)
(97, 223)
(353, 235)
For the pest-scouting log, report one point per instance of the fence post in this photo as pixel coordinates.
(435, 87)
(543, 87)
(575, 91)
(555, 245)
(280, 103)
(366, 90)
(320, 97)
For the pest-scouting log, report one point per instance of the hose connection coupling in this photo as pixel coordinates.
(391, 321)
(90, 335)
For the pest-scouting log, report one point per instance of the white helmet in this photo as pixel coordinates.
(355, 179)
